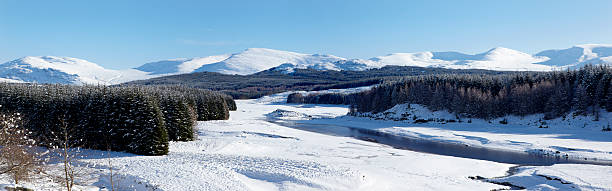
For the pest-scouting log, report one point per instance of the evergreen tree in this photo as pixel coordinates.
(584, 91)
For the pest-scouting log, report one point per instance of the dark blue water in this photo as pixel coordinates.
(442, 148)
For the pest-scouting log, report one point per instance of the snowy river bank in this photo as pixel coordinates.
(247, 152)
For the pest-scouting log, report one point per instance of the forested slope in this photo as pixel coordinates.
(134, 119)
(274, 81)
(585, 91)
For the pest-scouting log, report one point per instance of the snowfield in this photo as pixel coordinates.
(573, 136)
(561, 177)
(247, 152)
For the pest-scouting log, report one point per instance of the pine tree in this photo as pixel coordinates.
(581, 100)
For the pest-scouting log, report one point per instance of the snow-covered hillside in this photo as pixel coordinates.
(51, 69)
(348, 65)
(500, 58)
(66, 70)
(180, 65)
(578, 56)
(495, 59)
(254, 60)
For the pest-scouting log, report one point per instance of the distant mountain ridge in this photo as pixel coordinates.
(254, 60)
(180, 65)
(499, 58)
(67, 70)
(578, 56)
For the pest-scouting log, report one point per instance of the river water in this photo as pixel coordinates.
(441, 148)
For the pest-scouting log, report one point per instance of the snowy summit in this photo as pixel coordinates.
(66, 70)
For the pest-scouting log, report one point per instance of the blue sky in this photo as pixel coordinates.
(125, 34)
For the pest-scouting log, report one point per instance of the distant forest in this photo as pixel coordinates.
(271, 81)
(585, 91)
(134, 119)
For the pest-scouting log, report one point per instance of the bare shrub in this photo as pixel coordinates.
(18, 156)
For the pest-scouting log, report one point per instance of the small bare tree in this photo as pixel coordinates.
(110, 168)
(66, 155)
(18, 156)
(65, 149)
(114, 179)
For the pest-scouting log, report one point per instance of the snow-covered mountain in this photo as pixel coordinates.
(180, 65)
(500, 58)
(51, 69)
(495, 59)
(64, 70)
(249, 61)
(350, 65)
(578, 56)
(254, 60)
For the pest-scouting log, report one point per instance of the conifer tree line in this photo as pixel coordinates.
(326, 98)
(585, 91)
(135, 119)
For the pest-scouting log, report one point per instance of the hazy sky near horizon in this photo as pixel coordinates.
(126, 34)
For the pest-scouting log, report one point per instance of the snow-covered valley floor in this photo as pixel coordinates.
(247, 152)
(578, 137)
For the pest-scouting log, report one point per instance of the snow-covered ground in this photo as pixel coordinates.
(561, 177)
(248, 153)
(571, 136)
(280, 99)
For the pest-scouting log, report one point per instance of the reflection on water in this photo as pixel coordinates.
(440, 148)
